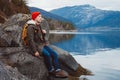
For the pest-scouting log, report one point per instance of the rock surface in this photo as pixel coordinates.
(9, 73)
(28, 65)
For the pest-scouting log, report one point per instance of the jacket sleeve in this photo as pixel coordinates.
(31, 43)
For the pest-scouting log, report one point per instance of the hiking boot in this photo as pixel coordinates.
(61, 74)
(52, 71)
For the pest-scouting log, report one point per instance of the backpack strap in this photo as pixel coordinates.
(24, 34)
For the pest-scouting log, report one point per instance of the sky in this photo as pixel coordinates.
(54, 4)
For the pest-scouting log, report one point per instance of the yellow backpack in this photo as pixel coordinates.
(24, 34)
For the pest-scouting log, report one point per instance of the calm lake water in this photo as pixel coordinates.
(85, 42)
(96, 51)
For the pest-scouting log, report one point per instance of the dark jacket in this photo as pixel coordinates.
(35, 37)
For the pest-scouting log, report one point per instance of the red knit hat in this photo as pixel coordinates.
(34, 15)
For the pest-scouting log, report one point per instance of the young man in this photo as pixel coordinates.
(37, 43)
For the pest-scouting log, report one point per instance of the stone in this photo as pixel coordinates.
(28, 65)
(9, 73)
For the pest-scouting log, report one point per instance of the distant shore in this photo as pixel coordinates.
(71, 32)
(63, 30)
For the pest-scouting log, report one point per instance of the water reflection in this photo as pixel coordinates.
(92, 41)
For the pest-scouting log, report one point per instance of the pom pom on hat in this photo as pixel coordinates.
(34, 15)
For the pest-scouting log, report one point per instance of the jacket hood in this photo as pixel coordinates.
(31, 22)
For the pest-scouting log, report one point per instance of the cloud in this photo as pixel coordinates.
(53, 4)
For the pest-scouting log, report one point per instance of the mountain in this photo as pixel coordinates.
(88, 17)
(48, 15)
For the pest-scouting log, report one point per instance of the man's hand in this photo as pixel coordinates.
(37, 54)
(44, 31)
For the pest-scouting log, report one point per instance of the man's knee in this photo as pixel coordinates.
(55, 55)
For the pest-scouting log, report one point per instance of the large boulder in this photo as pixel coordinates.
(9, 73)
(13, 29)
(28, 65)
(34, 67)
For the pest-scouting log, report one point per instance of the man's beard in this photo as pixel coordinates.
(38, 22)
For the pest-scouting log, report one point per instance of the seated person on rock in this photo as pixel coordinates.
(39, 46)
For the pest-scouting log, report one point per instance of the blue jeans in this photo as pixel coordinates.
(51, 58)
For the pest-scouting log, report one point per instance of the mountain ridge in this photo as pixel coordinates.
(87, 16)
